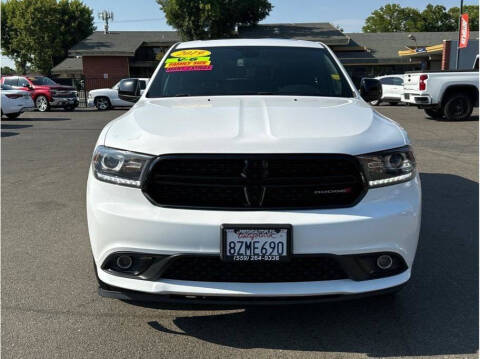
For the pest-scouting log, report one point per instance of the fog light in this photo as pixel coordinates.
(384, 261)
(124, 262)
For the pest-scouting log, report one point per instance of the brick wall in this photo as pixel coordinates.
(446, 54)
(104, 71)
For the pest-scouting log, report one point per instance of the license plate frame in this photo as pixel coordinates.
(224, 256)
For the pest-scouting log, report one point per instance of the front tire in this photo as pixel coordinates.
(41, 103)
(12, 116)
(102, 103)
(458, 107)
(433, 113)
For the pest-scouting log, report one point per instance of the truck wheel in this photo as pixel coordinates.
(434, 113)
(458, 107)
(102, 103)
(41, 103)
(12, 116)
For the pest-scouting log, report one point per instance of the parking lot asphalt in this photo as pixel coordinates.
(50, 308)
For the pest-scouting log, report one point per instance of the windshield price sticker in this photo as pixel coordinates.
(189, 60)
(255, 244)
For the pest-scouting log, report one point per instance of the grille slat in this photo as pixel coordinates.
(255, 182)
(213, 269)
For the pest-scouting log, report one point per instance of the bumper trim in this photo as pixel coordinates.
(134, 296)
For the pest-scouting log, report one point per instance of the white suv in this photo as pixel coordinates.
(252, 170)
(392, 89)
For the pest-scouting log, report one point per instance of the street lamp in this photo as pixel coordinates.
(412, 37)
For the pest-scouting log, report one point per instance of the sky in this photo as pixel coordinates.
(130, 15)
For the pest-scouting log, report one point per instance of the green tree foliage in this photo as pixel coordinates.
(471, 10)
(41, 32)
(393, 18)
(210, 19)
(6, 70)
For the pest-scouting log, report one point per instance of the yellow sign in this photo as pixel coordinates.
(190, 53)
(188, 60)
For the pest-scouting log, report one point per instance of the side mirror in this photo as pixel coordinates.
(370, 89)
(129, 90)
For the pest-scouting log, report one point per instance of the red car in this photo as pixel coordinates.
(45, 92)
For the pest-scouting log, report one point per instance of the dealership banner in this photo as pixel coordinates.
(464, 31)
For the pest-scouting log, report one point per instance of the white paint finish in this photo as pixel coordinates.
(437, 83)
(343, 286)
(254, 124)
(15, 105)
(122, 219)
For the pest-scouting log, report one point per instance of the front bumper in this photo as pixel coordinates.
(120, 219)
(90, 102)
(64, 101)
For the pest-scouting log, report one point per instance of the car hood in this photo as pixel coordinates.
(254, 124)
(102, 91)
(53, 87)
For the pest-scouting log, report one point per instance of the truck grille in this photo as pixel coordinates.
(255, 182)
(213, 269)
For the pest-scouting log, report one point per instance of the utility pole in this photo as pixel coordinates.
(106, 16)
(458, 38)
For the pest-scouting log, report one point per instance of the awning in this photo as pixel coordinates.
(419, 50)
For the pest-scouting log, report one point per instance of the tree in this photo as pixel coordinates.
(6, 71)
(436, 18)
(471, 10)
(210, 19)
(41, 32)
(393, 17)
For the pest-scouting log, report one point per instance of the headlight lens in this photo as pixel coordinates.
(119, 167)
(389, 167)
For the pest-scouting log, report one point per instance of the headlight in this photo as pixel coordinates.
(120, 167)
(389, 167)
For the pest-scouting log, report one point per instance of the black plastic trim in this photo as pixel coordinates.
(349, 263)
(259, 156)
(134, 296)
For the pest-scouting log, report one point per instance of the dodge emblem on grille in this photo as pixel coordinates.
(254, 171)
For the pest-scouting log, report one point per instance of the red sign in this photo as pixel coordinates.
(464, 31)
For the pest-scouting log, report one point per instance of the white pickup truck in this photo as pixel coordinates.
(106, 98)
(446, 94)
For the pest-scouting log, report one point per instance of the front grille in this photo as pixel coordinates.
(255, 182)
(213, 269)
(64, 94)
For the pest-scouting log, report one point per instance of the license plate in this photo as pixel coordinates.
(407, 96)
(256, 243)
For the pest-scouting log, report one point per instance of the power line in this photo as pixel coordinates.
(137, 20)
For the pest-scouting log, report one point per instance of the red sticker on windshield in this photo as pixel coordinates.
(188, 60)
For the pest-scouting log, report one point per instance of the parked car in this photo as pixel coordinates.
(392, 89)
(45, 92)
(252, 169)
(107, 98)
(14, 102)
(445, 94)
